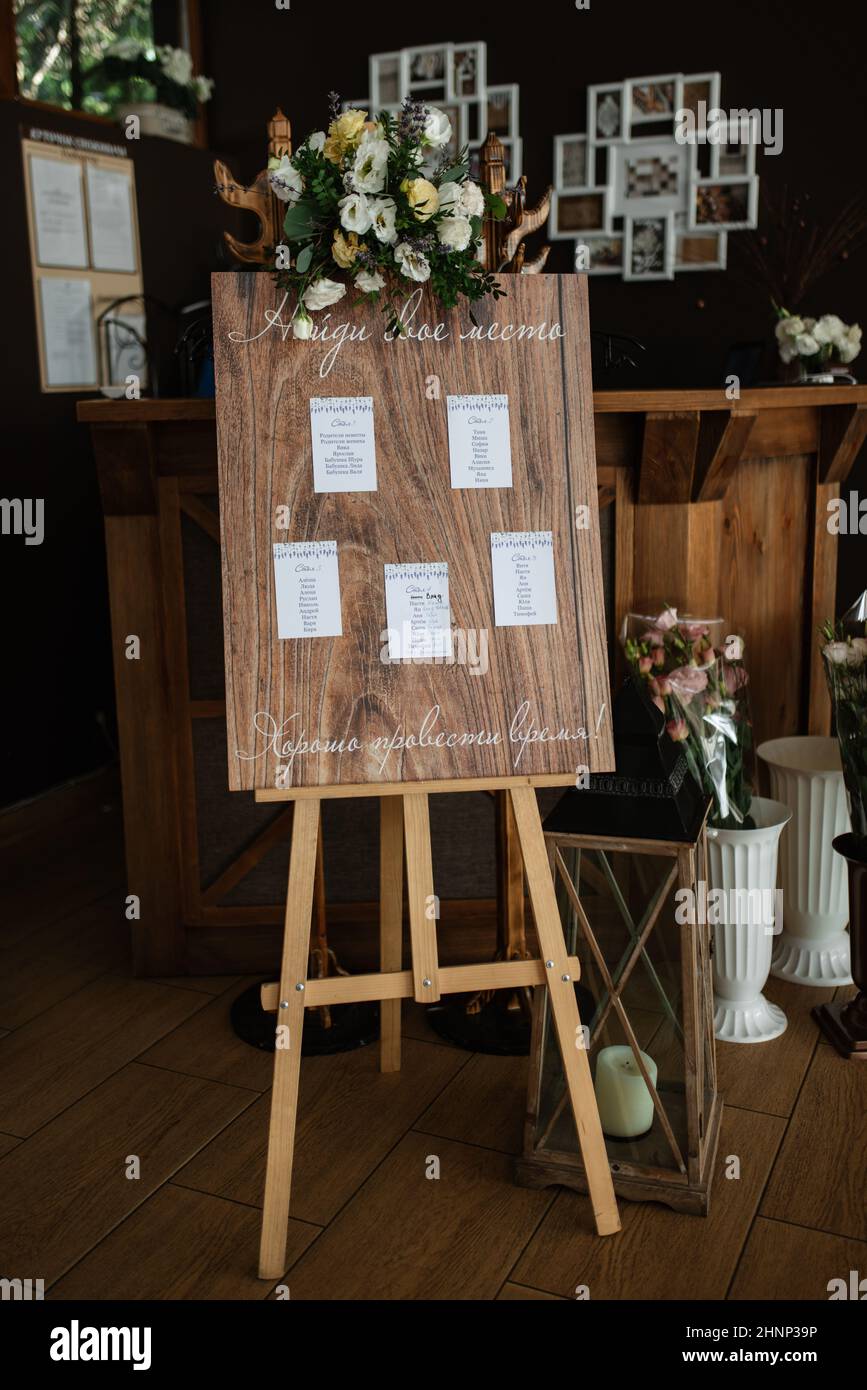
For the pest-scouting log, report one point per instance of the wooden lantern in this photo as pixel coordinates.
(629, 906)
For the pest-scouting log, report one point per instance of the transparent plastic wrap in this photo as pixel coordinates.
(695, 674)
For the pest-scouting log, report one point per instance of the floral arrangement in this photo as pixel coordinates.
(167, 71)
(378, 207)
(845, 659)
(817, 341)
(699, 682)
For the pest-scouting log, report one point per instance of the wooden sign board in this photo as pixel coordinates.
(353, 713)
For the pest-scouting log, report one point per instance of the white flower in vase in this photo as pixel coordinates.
(472, 199)
(437, 128)
(355, 213)
(455, 233)
(383, 212)
(451, 198)
(370, 167)
(413, 264)
(806, 345)
(285, 180)
(323, 293)
(176, 64)
(369, 281)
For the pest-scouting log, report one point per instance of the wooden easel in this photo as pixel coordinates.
(405, 834)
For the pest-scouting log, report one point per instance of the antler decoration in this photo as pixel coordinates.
(505, 250)
(258, 198)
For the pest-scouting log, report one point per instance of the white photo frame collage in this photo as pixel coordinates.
(452, 76)
(635, 202)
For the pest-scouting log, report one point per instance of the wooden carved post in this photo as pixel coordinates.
(258, 198)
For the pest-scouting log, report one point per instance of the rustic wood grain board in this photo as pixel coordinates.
(339, 687)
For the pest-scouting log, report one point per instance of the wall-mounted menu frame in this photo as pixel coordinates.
(84, 252)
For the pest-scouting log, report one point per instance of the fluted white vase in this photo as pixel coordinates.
(745, 862)
(813, 947)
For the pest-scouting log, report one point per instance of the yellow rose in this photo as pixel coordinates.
(345, 249)
(344, 134)
(423, 197)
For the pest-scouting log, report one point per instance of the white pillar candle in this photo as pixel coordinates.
(625, 1103)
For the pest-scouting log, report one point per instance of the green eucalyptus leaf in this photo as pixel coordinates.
(456, 174)
(305, 256)
(496, 206)
(298, 221)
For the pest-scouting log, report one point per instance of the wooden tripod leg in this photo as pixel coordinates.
(390, 924)
(564, 1009)
(420, 896)
(290, 1025)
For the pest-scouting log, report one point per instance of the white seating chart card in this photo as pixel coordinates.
(418, 612)
(523, 568)
(58, 213)
(344, 451)
(479, 445)
(112, 231)
(67, 326)
(307, 584)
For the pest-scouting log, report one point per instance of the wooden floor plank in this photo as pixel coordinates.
(788, 1262)
(767, 1076)
(350, 1117)
(659, 1254)
(64, 956)
(66, 1188)
(406, 1236)
(206, 1046)
(8, 1142)
(485, 1104)
(203, 984)
(179, 1245)
(818, 1179)
(57, 1058)
(85, 863)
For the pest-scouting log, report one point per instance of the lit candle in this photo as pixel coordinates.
(625, 1103)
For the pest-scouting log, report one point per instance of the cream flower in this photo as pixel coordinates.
(344, 134)
(302, 324)
(355, 213)
(203, 88)
(285, 180)
(806, 345)
(411, 263)
(176, 64)
(455, 233)
(316, 141)
(345, 249)
(423, 197)
(383, 212)
(322, 293)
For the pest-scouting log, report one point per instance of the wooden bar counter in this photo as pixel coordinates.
(718, 504)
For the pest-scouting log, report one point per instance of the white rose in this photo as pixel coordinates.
(369, 281)
(806, 345)
(837, 653)
(450, 197)
(285, 180)
(788, 351)
(789, 327)
(316, 141)
(859, 648)
(302, 324)
(411, 263)
(437, 128)
(383, 212)
(355, 213)
(850, 344)
(472, 199)
(455, 233)
(370, 167)
(322, 293)
(829, 329)
(203, 88)
(176, 64)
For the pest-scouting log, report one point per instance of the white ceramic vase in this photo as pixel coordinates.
(742, 862)
(813, 947)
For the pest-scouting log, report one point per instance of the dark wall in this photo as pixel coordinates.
(57, 657)
(57, 690)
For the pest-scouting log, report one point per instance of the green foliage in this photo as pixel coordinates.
(55, 70)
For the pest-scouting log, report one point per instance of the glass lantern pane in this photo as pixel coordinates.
(618, 893)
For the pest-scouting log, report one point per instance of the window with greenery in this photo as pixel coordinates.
(59, 41)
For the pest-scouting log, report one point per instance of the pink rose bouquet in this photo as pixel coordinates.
(695, 675)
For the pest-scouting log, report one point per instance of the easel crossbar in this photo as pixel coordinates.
(454, 979)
